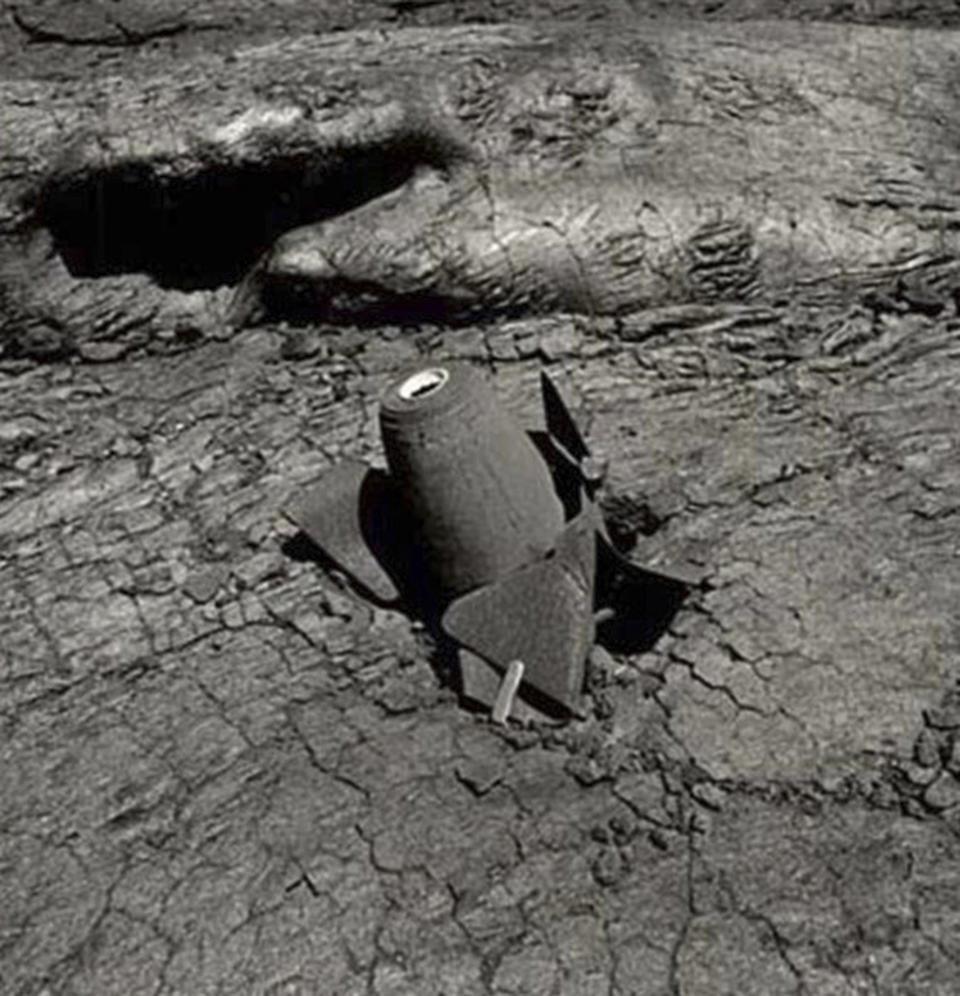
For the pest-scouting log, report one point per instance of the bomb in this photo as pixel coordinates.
(492, 531)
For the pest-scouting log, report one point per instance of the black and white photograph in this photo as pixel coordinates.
(479, 498)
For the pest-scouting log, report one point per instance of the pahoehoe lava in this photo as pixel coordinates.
(425, 184)
(223, 773)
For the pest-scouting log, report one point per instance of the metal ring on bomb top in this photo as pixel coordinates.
(423, 382)
(446, 394)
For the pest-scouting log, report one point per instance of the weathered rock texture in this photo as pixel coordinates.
(221, 773)
(512, 169)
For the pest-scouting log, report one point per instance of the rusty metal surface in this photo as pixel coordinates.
(561, 427)
(542, 615)
(480, 496)
(345, 514)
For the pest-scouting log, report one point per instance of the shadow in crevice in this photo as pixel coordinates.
(204, 229)
(364, 304)
(644, 605)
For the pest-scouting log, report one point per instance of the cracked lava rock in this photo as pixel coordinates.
(222, 773)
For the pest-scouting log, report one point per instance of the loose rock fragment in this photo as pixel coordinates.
(203, 585)
(944, 793)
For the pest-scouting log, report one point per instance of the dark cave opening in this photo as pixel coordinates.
(203, 229)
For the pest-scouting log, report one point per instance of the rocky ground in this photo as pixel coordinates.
(222, 772)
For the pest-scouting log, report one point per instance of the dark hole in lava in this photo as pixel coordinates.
(204, 230)
(352, 302)
(644, 606)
